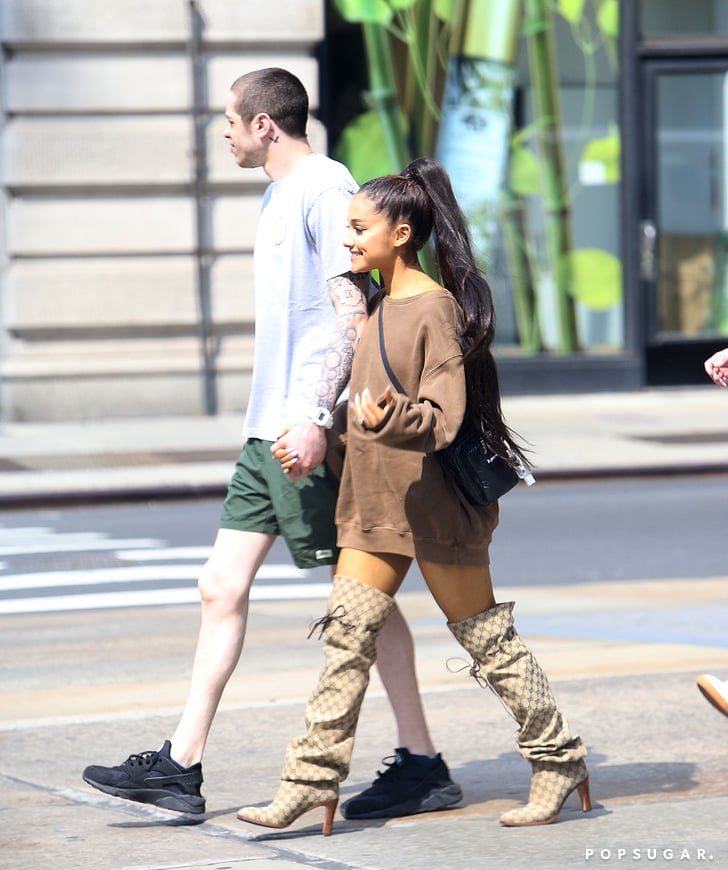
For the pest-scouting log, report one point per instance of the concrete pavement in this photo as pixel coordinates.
(658, 431)
(622, 666)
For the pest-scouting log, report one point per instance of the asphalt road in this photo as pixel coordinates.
(622, 598)
(579, 532)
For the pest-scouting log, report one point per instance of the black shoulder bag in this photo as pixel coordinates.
(481, 474)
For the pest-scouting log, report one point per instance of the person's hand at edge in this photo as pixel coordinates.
(716, 367)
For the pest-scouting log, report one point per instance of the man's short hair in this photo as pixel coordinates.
(276, 92)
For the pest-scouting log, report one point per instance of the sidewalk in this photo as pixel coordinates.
(622, 670)
(652, 431)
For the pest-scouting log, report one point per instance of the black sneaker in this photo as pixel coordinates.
(152, 778)
(405, 788)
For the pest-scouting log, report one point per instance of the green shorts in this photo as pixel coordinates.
(261, 498)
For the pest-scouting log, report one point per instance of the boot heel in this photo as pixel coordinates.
(584, 795)
(330, 807)
(551, 784)
(291, 802)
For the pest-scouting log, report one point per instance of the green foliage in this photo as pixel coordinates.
(445, 10)
(404, 115)
(572, 10)
(596, 278)
(607, 14)
(605, 151)
(608, 18)
(363, 149)
(369, 11)
(525, 172)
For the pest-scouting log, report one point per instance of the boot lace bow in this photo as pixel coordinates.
(322, 624)
(480, 678)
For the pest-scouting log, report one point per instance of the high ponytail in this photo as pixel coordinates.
(422, 196)
(459, 273)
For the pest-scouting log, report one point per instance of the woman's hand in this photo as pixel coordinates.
(369, 413)
(284, 454)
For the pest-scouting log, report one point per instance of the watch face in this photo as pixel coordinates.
(321, 417)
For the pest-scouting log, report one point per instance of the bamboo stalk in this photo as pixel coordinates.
(520, 270)
(424, 120)
(538, 28)
(382, 93)
(475, 132)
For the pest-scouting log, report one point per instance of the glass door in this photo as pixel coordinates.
(684, 225)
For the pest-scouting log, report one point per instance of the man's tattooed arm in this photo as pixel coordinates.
(348, 294)
(303, 447)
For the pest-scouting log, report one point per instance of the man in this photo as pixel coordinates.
(309, 311)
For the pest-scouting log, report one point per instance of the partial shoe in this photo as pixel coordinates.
(406, 787)
(291, 802)
(152, 777)
(552, 782)
(715, 690)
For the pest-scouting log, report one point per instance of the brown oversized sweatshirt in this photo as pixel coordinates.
(394, 496)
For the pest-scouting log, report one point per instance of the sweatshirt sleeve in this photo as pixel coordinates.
(432, 420)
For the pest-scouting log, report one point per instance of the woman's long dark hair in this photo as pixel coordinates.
(422, 197)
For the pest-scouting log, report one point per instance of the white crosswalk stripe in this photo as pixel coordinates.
(177, 568)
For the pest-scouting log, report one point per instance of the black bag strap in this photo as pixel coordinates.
(385, 359)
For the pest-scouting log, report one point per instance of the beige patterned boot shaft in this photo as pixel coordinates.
(551, 783)
(510, 669)
(292, 801)
(355, 617)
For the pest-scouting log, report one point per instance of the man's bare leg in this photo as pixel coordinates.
(396, 666)
(224, 586)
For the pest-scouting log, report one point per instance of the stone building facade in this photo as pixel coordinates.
(126, 229)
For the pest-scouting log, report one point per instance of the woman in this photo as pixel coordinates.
(396, 503)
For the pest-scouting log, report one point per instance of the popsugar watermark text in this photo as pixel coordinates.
(625, 855)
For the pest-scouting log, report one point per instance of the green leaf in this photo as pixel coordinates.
(402, 4)
(608, 17)
(362, 148)
(572, 10)
(445, 10)
(365, 11)
(525, 173)
(596, 278)
(604, 151)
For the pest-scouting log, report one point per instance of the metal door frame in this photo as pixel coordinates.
(669, 362)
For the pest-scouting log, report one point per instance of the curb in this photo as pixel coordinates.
(165, 492)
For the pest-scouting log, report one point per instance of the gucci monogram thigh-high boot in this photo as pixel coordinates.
(543, 737)
(318, 761)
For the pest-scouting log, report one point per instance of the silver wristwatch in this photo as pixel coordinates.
(321, 417)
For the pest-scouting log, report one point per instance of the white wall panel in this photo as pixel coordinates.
(96, 226)
(78, 21)
(231, 280)
(98, 296)
(274, 21)
(98, 151)
(77, 83)
(234, 221)
(103, 292)
(129, 291)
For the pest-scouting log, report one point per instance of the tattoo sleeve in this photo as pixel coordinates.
(349, 297)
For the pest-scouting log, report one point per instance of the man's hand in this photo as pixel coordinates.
(300, 449)
(717, 367)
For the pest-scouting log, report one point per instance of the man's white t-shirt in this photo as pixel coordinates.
(298, 247)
